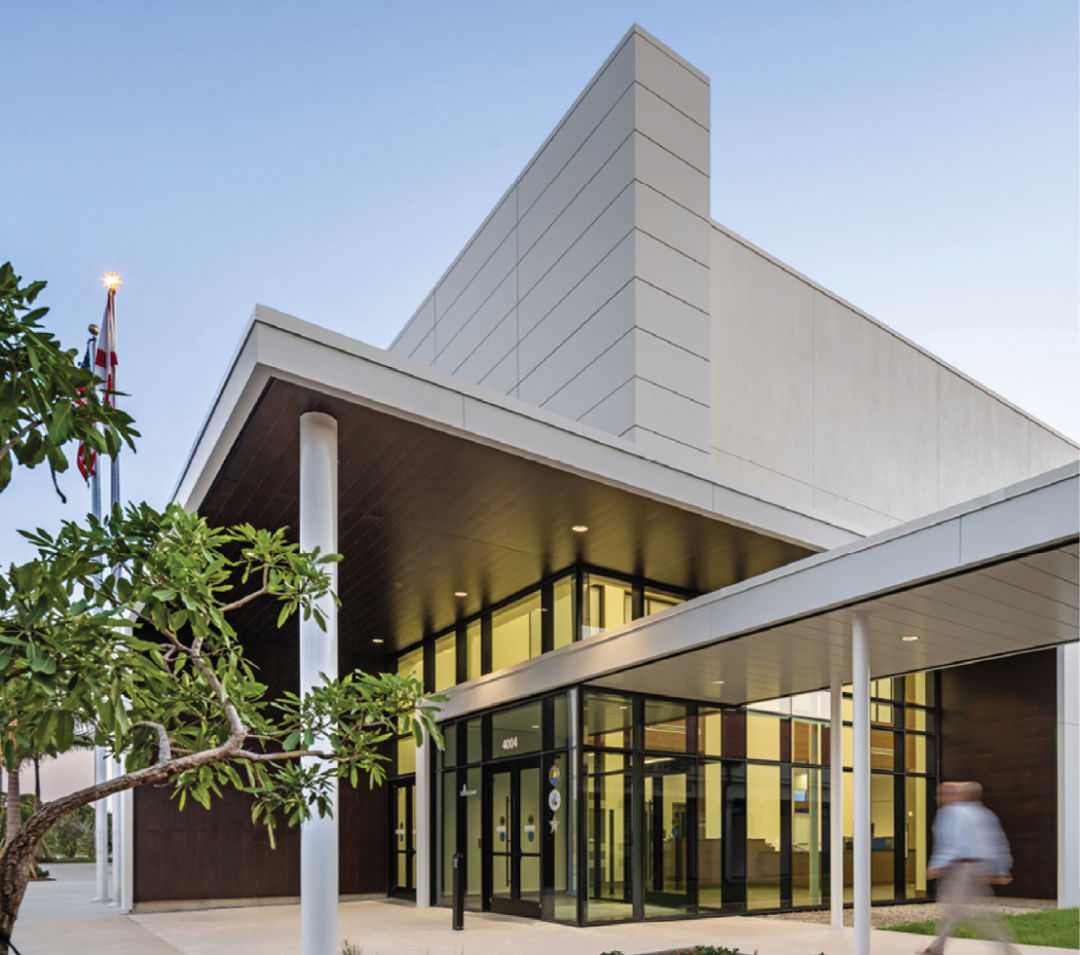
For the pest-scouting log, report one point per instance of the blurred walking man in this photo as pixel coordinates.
(970, 854)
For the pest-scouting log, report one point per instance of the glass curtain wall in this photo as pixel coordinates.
(571, 605)
(903, 780)
(666, 808)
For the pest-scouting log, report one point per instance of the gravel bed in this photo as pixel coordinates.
(882, 915)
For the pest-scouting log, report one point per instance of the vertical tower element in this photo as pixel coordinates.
(586, 290)
(318, 655)
(860, 692)
(836, 805)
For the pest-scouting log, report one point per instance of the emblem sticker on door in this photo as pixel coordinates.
(554, 800)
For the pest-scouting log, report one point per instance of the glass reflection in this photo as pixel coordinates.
(762, 837)
(609, 835)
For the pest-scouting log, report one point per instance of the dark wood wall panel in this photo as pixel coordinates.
(998, 728)
(219, 854)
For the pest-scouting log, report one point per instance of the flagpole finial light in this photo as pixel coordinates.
(111, 280)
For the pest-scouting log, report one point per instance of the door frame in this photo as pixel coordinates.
(514, 905)
(409, 823)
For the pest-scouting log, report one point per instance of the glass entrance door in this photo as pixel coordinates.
(669, 836)
(403, 840)
(515, 838)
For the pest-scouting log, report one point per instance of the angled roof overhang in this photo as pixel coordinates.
(445, 486)
(991, 577)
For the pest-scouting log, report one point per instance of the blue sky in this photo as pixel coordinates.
(329, 159)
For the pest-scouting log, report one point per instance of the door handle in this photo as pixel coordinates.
(510, 844)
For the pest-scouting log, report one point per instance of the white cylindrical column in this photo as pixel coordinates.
(860, 804)
(836, 804)
(101, 829)
(422, 824)
(1068, 775)
(116, 769)
(318, 655)
(127, 850)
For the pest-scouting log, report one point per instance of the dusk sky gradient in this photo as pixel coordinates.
(329, 159)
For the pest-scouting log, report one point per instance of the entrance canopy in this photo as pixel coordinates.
(446, 488)
(995, 576)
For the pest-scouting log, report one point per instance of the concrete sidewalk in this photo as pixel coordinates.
(58, 918)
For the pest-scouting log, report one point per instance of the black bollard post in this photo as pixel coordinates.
(459, 891)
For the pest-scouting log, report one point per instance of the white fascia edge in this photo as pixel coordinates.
(275, 345)
(1029, 516)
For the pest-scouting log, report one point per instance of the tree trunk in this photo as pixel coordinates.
(14, 806)
(17, 853)
(16, 868)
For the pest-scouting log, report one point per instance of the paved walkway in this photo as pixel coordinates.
(57, 919)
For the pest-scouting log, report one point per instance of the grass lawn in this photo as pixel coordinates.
(1058, 927)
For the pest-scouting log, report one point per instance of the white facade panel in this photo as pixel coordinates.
(983, 443)
(672, 319)
(577, 347)
(673, 224)
(597, 155)
(672, 415)
(612, 414)
(606, 185)
(669, 175)
(484, 321)
(425, 351)
(762, 363)
(420, 325)
(675, 131)
(670, 77)
(585, 115)
(592, 247)
(491, 351)
(599, 288)
(500, 223)
(875, 414)
(670, 270)
(494, 272)
(503, 377)
(594, 382)
(672, 367)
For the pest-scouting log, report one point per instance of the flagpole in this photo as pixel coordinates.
(120, 833)
(114, 469)
(101, 770)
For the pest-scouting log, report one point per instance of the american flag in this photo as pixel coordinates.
(104, 366)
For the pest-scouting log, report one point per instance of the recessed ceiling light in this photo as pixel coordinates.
(536, 726)
(377, 640)
(910, 638)
(717, 682)
(580, 528)
(461, 593)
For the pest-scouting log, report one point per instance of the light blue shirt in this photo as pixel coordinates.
(968, 830)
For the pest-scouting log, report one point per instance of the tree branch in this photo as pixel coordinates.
(22, 434)
(244, 600)
(164, 745)
(249, 756)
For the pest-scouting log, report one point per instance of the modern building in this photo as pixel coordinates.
(720, 574)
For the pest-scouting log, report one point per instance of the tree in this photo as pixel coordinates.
(123, 625)
(46, 400)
